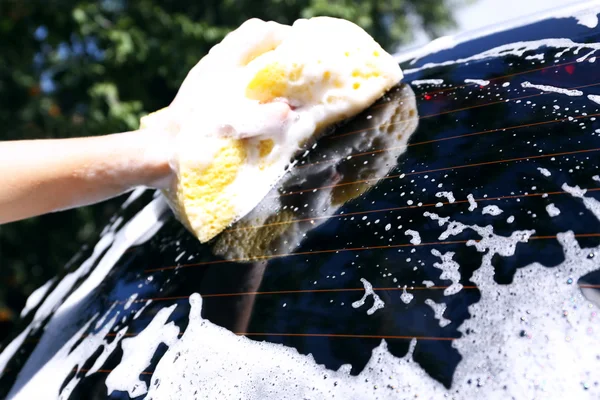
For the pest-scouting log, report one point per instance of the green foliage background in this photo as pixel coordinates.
(80, 68)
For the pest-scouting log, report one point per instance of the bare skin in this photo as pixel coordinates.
(42, 176)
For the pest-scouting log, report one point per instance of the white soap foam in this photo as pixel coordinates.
(141, 310)
(438, 310)
(211, 362)
(491, 210)
(544, 171)
(448, 195)
(552, 210)
(454, 228)
(518, 49)
(450, 271)
(540, 56)
(416, 238)
(589, 202)
(419, 82)
(553, 89)
(64, 287)
(496, 244)
(405, 296)
(51, 362)
(480, 82)
(472, 202)
(51, 374)
(130, 301)
(135, 194)
(529, 339)
(594, 97)
(138, 352)
(377, 302)
(36, 297)
(9, 351)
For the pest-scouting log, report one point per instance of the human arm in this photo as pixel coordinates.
(41, 176)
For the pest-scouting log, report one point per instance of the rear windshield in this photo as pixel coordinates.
(443, 242)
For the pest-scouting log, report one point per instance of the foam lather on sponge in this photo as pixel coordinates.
(254, 101)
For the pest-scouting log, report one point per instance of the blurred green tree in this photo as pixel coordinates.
(78, 68)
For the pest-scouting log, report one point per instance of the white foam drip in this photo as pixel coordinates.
(535, 57)
(553, 89)
(590, 203)
(491, 210)
(405, 296)
(544, 171)
(377, 302)
(594, 97)
(490, 242)
(517, 49)
(56, 297)
(419, 82)
(130, 301)
(107, 349)
(438, 310)
(472, 202)
(9, 351)
(138, 352)
(416, 238)
(141, 310)
(441, 221)
(450, 271)
(135, 194)
(454, 228)
(552, 210)
(51, 362)
(448, 195)
(480, 82)
(51, 374)
(103, 318)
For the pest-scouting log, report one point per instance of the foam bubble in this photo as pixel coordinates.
(416, 238)
(472, 202)
(377, 302)
(552, 210)
(553, 89)
(491, 210)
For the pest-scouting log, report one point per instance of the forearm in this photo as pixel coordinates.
(41, 176)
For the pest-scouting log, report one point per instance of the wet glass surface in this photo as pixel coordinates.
(366, 203)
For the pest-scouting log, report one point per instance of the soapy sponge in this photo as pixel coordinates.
(228, 157)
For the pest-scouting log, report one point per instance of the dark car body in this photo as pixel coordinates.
(442, 243)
